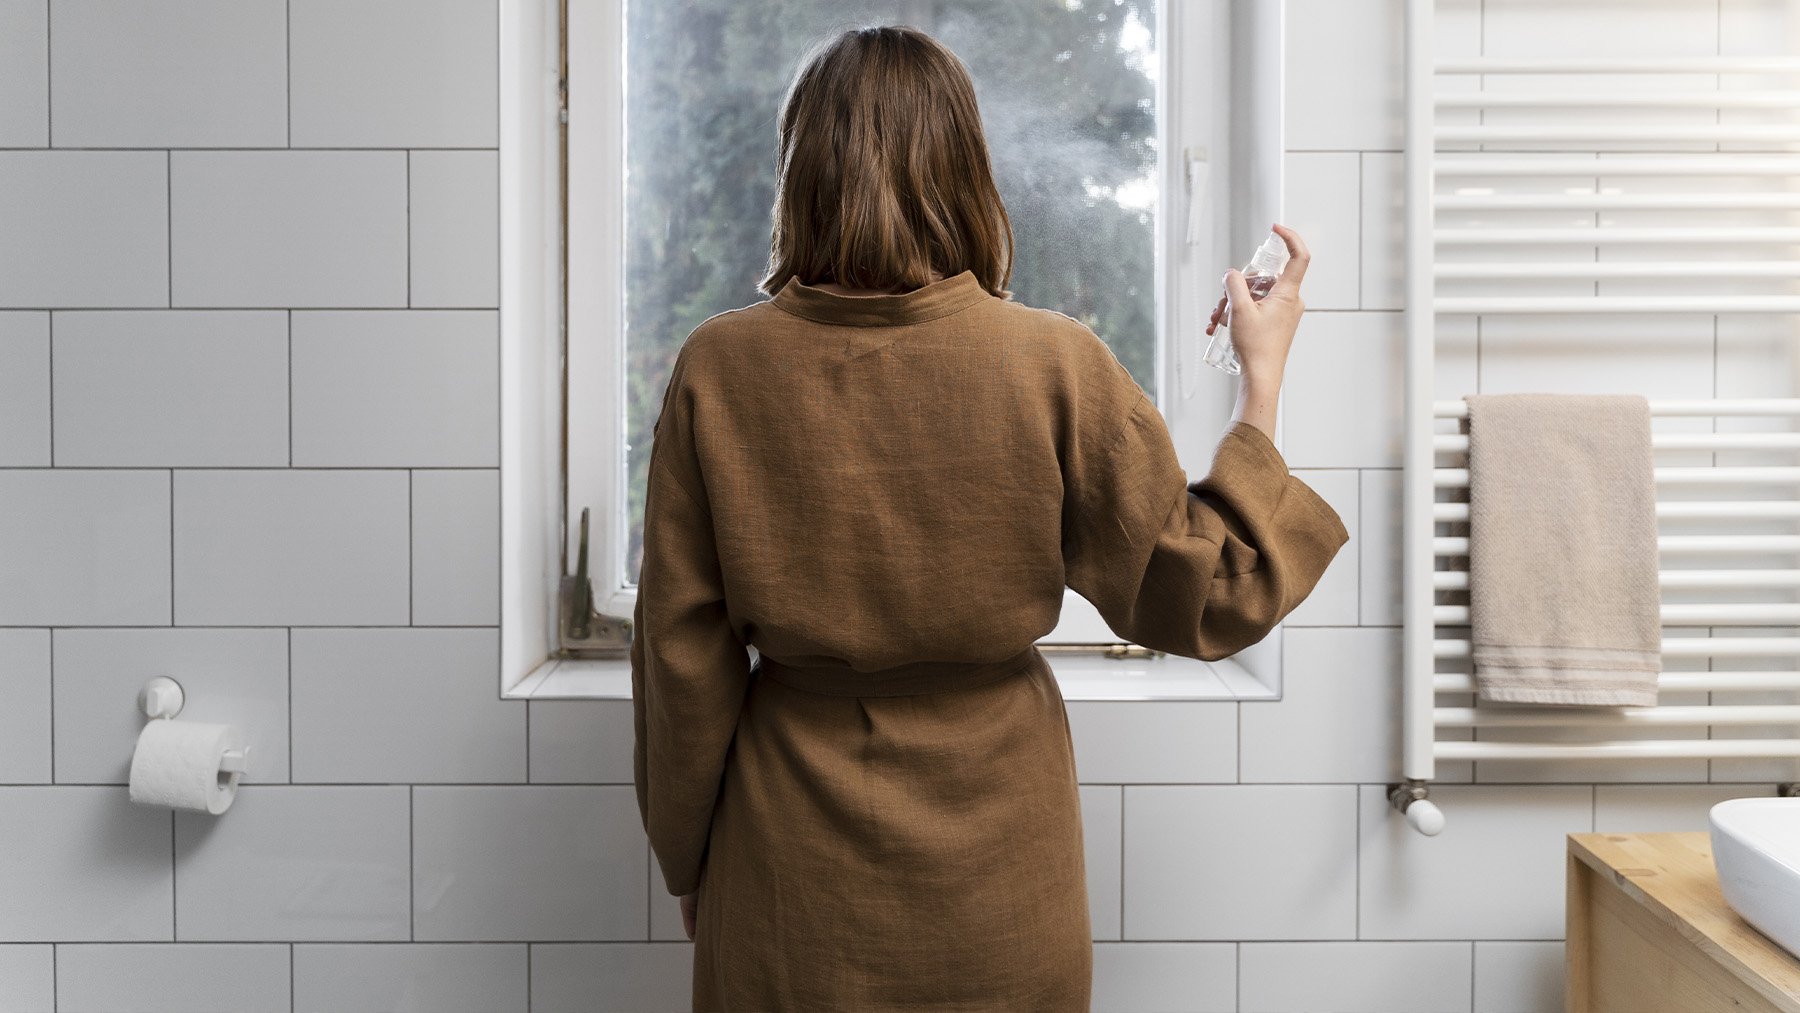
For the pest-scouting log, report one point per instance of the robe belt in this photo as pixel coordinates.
(901, 680)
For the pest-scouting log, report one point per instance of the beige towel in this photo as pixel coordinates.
(1564, 599)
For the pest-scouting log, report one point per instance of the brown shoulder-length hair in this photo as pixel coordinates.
(883, 169)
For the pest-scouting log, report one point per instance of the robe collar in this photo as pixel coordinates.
(940, 298)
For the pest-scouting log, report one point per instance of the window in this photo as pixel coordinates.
(1098, 138)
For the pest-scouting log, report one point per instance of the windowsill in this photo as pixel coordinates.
(1080, 677)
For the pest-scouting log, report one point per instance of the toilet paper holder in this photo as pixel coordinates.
(162, 697)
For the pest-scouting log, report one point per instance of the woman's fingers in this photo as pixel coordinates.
(1237, 292)
(1218, 314)
(1298, 258)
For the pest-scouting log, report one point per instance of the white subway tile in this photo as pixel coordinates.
(1339, 712)
(1103, 831)
(414, 388)
(349, 684)
(1174, 741)
(1519, 977)
(171, 388)
(83, 863)
(1381, 540)
(360, 77)
(1240, 862)
(1165, 978)
(272, 547)
(25, 720)
(1756, 28)
(84, 548)
(455, 223)
(1344, 66)
(528, 862)
(410, 978)
(611, 977)
(1342, 406)
(1321, 201)
(1600, 28)
(24, 76)
(24, 389)
(1390, 977)
(1515, 840)
(84, 228)
(1666, 355)
(294, 862)
(173, 74)
(456, 547)
(581, 741)
(1664, 808)
(1383, 201)
(665, 908)
(173, 978)
(27, 977)
(237, 677)
(289, 228)
(1333, 601)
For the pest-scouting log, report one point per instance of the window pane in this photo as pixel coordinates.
(1067, 102)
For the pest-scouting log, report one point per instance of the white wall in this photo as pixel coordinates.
(248, 436)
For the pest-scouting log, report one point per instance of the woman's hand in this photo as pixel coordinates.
(1262, 331)
(690, 904)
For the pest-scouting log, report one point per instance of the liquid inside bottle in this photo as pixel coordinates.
(1260, 276)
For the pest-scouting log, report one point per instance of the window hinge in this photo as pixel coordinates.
(583, 631)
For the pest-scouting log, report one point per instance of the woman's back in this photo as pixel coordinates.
(874, 464)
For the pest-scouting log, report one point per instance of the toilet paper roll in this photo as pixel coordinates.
(176, 764)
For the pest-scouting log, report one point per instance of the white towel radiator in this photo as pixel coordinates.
(1486, 217)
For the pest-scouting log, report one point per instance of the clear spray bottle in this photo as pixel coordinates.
(1265, 266)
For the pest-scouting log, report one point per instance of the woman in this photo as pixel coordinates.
(881, 478)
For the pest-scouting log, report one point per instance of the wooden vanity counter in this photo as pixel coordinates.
(1649, 932)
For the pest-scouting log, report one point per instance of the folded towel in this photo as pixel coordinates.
(1565, 605)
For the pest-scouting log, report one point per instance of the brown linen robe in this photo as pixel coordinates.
(885, 496)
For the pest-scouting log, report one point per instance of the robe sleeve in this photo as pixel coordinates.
(1201, 569)
(689, 671)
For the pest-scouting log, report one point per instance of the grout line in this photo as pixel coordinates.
(290, 387)
(50, 369)
(174, 891)
(1356, 908)
(410, 561)
(412, 908)
(287, 28)
(1361, 181)
(1472, 982)
(317, 309)
(310, 147)
(290, 977)
(171, 546)
(1361, 519)
(49, 81)
(51, 634)
(408, 184)
(169, 217)
(290, 704)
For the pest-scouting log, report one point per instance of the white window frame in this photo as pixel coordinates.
(1234, 44)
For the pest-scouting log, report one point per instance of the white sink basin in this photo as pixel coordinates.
(1756, 848)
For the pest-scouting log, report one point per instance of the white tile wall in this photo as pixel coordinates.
(84, 228)
(249, 438)
(162, 388)
(24, 74)
(288, 228)
(174, 74)
(24, 389)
